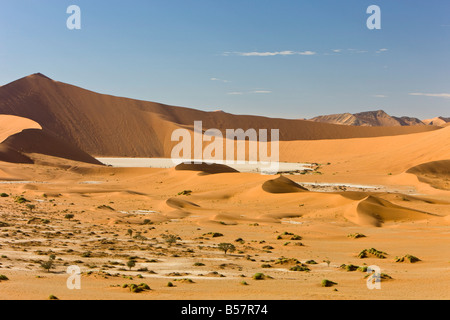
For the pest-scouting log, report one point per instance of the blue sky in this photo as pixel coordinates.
(283, 58)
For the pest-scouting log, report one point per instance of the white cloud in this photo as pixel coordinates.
(435, 95)
(235, 93)
(271, 54)
(221, 80)
(337, 50)
(382, 50)
(261, 91)
(380, 96)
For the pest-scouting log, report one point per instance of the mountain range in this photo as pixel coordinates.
(377, 118)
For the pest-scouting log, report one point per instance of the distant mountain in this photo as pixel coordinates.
(377, 118)
(438, 121)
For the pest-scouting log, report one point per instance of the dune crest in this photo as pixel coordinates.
(376, 211)
(282, 185)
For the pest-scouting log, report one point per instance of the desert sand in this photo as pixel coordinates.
(296, 229)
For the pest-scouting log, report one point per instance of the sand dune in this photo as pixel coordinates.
(40, 141)
(104, 125)
(282, 185)
(376, 211)
(435, 173)
(10, 125)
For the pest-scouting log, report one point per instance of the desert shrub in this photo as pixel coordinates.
(86, 254)
(198, 264)
(311, 262)
(244, 283)
(136, 288)
(20, 199)
(185, 193)
(52, 297)
(184, 280)
(240, 240)
(365, 253)
(4, 195)
(259, 276)
(3, 224)
(328, 283)
(266, 265)
(170, 284)
(362, 268)
(300, 268)
(349, 267)
(3, 277)
(356, 235)
(296, 237)
(47, 265)
(213, 234)
(170, 239)
(284, 260)
(407, 258)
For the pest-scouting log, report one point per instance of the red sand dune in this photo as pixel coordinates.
(104, 125)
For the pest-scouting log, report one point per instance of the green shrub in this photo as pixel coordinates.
(349, 267)
(198, 264)
(356, 235)
(3, 277)
(372, 251)
(259, 276)
(407, 258)
(328, 283)
(311, 262)
(20, 199)
(300, 268)
(4, 195)
(213, 234)
(52, 297)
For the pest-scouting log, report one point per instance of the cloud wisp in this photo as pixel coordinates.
(434, 95)
(271, 53)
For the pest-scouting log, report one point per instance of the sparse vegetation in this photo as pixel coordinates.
(328, 283)
(47, 265)
(259, 276)
(3, 277)
(407, 258)
(20, 199)
(372, 251)
(136, 288)
(170, 239)
(213, 234)
(356, 235)
(300, 268)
